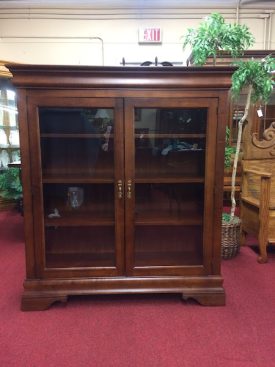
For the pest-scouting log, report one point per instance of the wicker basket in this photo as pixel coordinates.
(231, 238)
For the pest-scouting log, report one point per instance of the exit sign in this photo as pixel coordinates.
(149, 35)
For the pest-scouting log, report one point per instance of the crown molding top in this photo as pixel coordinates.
(75, 76)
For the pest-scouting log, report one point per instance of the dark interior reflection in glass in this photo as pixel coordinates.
(169, 186)
(77, 141)
(170, 142)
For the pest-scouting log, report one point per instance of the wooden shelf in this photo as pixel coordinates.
(80, 217)
(165, 213)
(80, 247)
(167, 221)
(83, 260)
(106, 177)
(170, 136)
(185, 164)
(165, 179)
(79, 220)
(74, 136)
(168, 258)
(94, 211)
(102, 177)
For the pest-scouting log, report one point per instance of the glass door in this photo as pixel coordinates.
(168, 184)
(77, 184)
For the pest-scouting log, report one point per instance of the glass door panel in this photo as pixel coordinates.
(77, 143)
(168, 224)
(167, 213)
(168, 245)
(169, 171)
(81, 163)
(169, 143)
(168, 203)
(83, 246)
(78, 202)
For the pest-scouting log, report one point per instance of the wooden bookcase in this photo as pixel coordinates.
(122, 169)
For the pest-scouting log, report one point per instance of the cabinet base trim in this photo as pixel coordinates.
(41, 294)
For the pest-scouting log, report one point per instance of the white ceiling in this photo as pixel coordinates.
(138, 4)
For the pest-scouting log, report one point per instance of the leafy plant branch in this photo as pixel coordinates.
(214, 35)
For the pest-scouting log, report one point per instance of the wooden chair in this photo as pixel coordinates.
(258, 188)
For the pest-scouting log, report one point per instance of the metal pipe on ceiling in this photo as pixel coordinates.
(269, 45)
(238, 11)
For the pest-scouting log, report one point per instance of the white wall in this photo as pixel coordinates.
(101, 37)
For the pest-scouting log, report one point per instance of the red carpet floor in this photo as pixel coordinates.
(138, 330)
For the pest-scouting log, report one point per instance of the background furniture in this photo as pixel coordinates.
(126, 203)
(258, 123)
(9, 133)
(258, 187)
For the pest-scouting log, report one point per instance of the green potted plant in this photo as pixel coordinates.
(10, 186)
(213, 36)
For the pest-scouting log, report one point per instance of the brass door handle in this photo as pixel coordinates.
(129, 189)
(119, 189)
